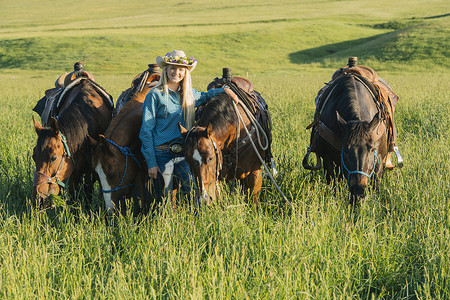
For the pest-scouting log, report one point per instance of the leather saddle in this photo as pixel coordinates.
(54, 98)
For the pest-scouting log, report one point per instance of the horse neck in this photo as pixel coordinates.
(125, 126)
(360, 105)
(139, 97)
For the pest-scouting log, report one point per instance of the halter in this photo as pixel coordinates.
(375, 160)
(127, 152)
(54, 179)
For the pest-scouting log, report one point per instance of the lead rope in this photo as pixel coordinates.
(253, 121)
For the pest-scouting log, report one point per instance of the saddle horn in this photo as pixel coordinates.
(226, 74)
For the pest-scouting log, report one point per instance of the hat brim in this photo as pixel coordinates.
(162, 63)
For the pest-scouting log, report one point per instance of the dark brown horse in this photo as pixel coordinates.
(350, 133)
(117, 158)
(62, 152)
(227, 143)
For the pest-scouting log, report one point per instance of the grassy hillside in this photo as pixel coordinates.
(395, 245)
(258, 37)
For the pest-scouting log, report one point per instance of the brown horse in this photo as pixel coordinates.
(351, 133)
(62, 151)
(227, 143)
(117, 158)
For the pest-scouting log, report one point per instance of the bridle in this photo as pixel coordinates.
(54, 179)
(127, 152)
(218, 157)
(344, 167)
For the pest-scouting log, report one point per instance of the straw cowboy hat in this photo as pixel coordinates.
(177, 58)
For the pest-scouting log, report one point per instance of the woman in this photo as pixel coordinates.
(171, 101)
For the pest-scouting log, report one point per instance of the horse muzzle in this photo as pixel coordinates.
(43, 187)
(357, 193)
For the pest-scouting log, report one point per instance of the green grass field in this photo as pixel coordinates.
(394, 245)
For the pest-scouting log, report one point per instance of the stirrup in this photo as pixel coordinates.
(399, 157)
(389, 165)
(306, 164)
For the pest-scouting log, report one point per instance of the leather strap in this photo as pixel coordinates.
(162, 147)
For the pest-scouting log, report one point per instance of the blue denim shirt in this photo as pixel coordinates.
(160, 121)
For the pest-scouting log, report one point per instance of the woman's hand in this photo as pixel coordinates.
(231, 94)
(153, 172)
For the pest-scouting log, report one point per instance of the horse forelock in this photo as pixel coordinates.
(44, 137)
(219, 112)
(358, 132)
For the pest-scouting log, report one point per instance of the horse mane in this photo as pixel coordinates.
(219, 112)
(79, 116)
(345, 90)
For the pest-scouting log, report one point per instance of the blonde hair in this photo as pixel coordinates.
(187, 98)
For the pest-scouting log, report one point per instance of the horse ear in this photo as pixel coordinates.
(183, 130)
(375, 122)
(377, 128)
(105, 145)
(93, 142)
(102, 138)
(54, 124)
(340, 120)
(209, 130)
(37, 126)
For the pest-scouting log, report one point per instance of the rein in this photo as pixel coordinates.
(344, 167)
(54, 179)
(255, 123)
(127, 152)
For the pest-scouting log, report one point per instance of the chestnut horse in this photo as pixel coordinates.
(351, 133)
(117, 158)
(227, 142)
(62, 152)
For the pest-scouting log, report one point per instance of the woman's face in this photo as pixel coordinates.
(176, 74)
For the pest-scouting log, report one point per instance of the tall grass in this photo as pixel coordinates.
(394, 245)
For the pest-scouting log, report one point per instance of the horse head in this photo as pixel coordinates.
(54, 164)
(116, 168)
(203, 154)
(361, 153)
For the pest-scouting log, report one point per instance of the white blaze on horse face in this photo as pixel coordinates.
(197, 157)
(105, 185)
(204, 197)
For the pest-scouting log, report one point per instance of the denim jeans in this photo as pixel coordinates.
(175, 166)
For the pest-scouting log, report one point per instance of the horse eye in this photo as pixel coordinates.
(53, 158)
(210, 158)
